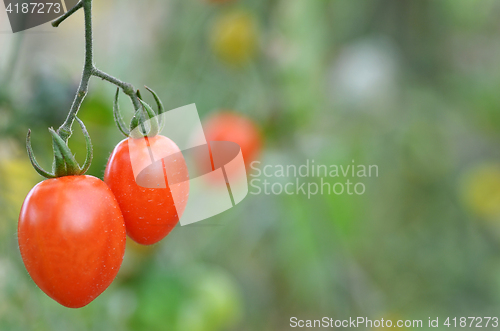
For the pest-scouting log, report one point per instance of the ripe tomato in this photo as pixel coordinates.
(228, 126)
(72, 238)
(150, 213)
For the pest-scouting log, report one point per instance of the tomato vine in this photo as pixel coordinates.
(64, 163)
(89, 70)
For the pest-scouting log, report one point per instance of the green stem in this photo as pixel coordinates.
(65, 129)
(89, 70)
(70, 12)
(127, 88)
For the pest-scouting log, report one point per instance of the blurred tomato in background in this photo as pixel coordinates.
(234, 37)
(231, 126)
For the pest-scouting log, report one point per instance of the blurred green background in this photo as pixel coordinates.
(410, 86)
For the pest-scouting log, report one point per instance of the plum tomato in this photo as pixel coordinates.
(150, 213)
(72, 237)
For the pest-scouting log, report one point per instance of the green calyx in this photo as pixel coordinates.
(65, 163)
(144, 115)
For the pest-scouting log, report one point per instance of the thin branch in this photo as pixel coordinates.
(70, 12)
(90, 70)
(127, 88)
(65, 129)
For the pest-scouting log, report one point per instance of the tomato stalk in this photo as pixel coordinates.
(70, 12)
(64, 162)
(89, 70)
(156, 122)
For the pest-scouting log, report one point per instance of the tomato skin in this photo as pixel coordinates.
(150, 214)
(229, 126)
(72, 238)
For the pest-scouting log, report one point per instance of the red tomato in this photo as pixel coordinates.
(72, 238)
(228, 126)
(150, 213)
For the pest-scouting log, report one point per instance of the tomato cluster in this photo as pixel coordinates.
(72, 227)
